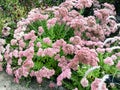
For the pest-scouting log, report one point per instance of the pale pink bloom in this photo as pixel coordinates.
(40, 30)
(9, 69)
(114, 57)
(98, 14)
(28, 63)
(51, 22)
(73, 13)
(39, 44)
(2, 49)
(95, 84)
(33, 38)
(19, 61)
(87, 56)
(25, 71)
(84, 82)
(29, 53)
(109, 61)
(6, 55)
(29, 35)
(68, 4)
(109, 6)
(43, 73)
(63, 63)
(47, 40)
(57, 56)
(74, 63)
(15, 53)
(49, 52)
(118, 65)
(68, 49)
(75, 40)
(39, 79)
(13, 42)
(21, 54)
(16, 80)
(10, 54)
(100, 50)
(2, 41)
(63, 11)
(59, 43)
(65, 74)
(40, 52)
(32, 73)
(31, 43)
(18, 73)
(22, 44)
(108, 50)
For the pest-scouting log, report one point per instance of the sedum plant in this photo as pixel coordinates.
(63, 45)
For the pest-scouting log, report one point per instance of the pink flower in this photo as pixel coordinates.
(47, 40)
(42, 73)
(32, 73)
(13, 42)
(100, 50)
(15, 53)
(118, 65)
(24, 71)
(59, 43)
(65, 74)
(114, 57)
(22, 44)
(75, 40)
(87, 56)
(39, 79)
(40, 30)
(19, 61)
(40, 52)
(68, 49)
(29, 35)
(16, 80)
(84, 82)
(95, 84)
(9, 69)
(38, 44)
(49, 52)
(28, 63)
(51, 22)
(109, 61)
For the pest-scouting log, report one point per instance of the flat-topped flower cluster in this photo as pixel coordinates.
(35, 50)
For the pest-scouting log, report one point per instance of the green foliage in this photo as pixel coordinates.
(54, 33)
(11, 12)
(52, 2)
(108, 1)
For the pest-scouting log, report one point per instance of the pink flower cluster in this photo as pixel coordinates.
(27, 44)
(95, 83)
(86, 56)
(65, 74)
(42, 73)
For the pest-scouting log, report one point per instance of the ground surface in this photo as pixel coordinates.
(6, 83)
